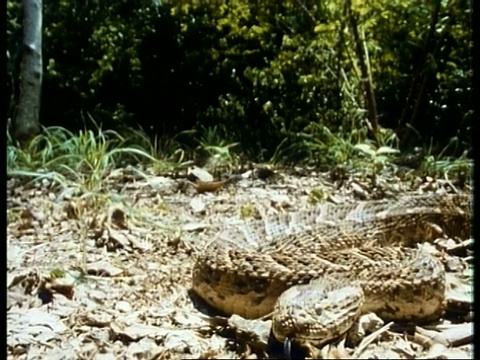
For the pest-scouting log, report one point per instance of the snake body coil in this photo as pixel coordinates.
(319, 269)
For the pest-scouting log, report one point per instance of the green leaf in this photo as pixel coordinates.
(386, 150)
(366, 148)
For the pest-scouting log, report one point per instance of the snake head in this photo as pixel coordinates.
(318, 312)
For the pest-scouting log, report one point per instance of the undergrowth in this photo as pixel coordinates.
(82, 160)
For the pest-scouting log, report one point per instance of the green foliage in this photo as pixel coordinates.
(441, 165)
(58, 149)
(278, 80)
(91, 58)
(214, 142)
(377, 158)
(169, 153)
(80, 161)
(435, 71)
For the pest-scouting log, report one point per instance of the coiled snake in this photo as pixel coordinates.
(317, 270)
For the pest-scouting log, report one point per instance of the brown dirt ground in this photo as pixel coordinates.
(138, 250)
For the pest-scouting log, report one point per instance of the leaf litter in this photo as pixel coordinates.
(113, 282)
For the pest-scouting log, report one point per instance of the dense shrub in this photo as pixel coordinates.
(277, 76)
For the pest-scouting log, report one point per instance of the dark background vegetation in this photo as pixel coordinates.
(280, 78)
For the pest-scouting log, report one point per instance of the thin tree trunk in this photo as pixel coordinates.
(366, 80)
(26, 124)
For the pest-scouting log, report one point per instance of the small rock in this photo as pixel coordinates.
(197, 205)
(123, 306)
(201, 174)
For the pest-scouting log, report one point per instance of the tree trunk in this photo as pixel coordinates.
(366, 80)
(26, 124)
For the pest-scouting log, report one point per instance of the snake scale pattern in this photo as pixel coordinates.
(317, 270)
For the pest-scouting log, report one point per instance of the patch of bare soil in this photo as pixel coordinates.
(113, 283)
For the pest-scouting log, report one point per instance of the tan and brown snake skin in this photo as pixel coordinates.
(317, 270)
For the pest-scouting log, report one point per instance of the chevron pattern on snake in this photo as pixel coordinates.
(317, 270)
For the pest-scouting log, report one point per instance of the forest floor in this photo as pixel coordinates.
(109, 278)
